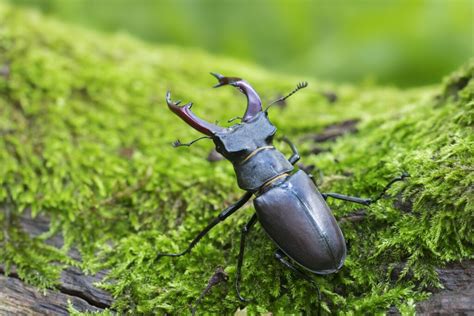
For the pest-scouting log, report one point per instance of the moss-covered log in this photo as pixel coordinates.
(85, 142)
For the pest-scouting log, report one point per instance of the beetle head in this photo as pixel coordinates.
(238, 141)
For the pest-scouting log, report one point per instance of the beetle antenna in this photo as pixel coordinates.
(299, 86)
(178, 143)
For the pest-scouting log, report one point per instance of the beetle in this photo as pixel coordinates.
(288, 204)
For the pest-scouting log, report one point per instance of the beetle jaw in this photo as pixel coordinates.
(254, 104)
(185, 113)
(222, 80)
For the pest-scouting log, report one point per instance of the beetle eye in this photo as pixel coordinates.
(269, 138)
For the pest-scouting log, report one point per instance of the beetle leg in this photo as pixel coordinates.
(362, 200)
(280, 256)
(244, 232)
(347, 198)
(222, 216)
(399, 178)
(295, 157)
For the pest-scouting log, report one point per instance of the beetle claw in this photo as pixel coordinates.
(245, 300)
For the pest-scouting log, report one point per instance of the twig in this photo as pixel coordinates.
(218, 277)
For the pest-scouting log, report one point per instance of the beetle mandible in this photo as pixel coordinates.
(287, 202)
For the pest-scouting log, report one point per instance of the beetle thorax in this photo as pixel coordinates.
(249, 147)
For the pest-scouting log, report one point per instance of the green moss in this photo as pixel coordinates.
(85, 139)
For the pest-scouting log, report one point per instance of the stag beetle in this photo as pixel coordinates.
(288, 204)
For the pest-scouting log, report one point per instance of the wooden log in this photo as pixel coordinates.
(17, 298)
(457, 297)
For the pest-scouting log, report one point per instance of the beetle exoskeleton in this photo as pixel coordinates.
(288, 204)
(297, 218)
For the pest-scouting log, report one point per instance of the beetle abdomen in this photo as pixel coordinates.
(298, 220)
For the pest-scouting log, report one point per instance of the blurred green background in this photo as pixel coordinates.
(404, 43)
